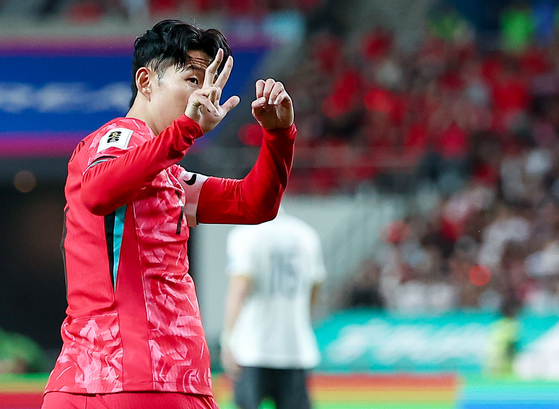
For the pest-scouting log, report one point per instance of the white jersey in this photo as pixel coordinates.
(283, 259)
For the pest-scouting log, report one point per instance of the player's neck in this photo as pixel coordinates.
(138, 112)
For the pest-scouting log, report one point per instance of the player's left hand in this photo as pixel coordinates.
(273, 107)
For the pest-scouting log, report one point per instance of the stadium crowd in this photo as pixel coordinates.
(479, 126)
(83, 10)
(477, 122)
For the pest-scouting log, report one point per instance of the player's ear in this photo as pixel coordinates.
(143, 81)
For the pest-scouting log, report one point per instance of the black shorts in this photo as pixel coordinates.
(286, 387)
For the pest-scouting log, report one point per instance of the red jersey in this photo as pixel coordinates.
(133, 321)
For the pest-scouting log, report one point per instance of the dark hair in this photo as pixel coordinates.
(169, 42)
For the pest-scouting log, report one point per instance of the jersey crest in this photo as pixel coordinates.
(115, 138)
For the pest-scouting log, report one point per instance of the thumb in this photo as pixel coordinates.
(231, 103)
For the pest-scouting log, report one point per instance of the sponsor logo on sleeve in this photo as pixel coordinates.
(191, 179)
(115, 138)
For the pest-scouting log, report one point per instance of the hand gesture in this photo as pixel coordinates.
(272, 108)
(203, 104)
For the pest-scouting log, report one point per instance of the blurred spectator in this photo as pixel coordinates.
(480, 125)
(543, 296)
(93, 10)
(376, 43)
(517, 27)
(420, 289)
(80, 11)
(445, 111)
(503, 340)
(365, 287)
(448, 24)
(509, 225)
(414, 276)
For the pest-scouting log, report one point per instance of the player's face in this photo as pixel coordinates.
(171, 91)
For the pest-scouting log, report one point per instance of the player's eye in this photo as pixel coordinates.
(193, 80)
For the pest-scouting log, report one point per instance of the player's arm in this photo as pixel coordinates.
(256, 198)
(239, 288)
(314, 295)
(240, 267)
(319, 271)
(110, 184)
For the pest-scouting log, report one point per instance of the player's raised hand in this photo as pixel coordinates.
(204, 104)
(272, 108)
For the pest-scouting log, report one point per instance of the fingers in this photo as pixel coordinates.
(200, 99)
(209, 99)
(213, 94)
(225, 73)
(211, 71)
(230, 103)
(213, 90)
(258, 103)
(271, 90)
(276, 94)
(273, 107)
(260, 88)
(268, 89)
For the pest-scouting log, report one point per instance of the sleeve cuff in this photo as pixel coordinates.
(281, 133)
(192, 127)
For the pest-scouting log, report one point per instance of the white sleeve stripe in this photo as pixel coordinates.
(193, 183)
(97, 162)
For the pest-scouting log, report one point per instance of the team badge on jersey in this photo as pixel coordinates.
(115, 138)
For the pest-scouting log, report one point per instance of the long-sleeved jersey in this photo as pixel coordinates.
(133, 321)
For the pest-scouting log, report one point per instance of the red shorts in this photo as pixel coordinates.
(128, 400)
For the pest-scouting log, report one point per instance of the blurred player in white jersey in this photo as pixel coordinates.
(268, 344)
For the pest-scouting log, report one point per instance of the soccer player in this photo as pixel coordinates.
(133, 336)
(268, 343)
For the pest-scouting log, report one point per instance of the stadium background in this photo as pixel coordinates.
(426, 160)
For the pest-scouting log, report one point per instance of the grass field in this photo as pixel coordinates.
(400, 391)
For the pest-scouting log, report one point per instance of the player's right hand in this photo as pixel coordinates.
(204, 104)
(232, 369)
